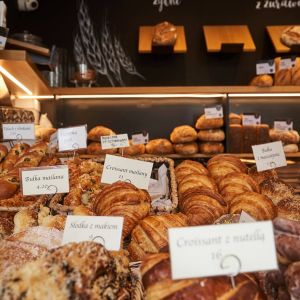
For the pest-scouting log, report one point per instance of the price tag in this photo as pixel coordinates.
(251, 119)
(53, 142)
(45, 180)
(214, 112)
(72, 138)
(246, 218)
(283, 125)
(134, 171)
(114, 141)
(103, 230)
(18, 131)
(265, 67)
(140, 138)
(285, 63)
(216, 250)
(269, 156)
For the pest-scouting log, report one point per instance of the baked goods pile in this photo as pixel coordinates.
(289, 138)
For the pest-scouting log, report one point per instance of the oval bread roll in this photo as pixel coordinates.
(291, 148)
(95, 148)
(264, 80)
(211, 148)
(186, 149)
(287, 137)
(98, 131)
(183, 134)
(159, 147)
(133, 150)
(204, 123)
(211, 135)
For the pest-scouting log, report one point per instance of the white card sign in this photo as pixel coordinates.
(283, 125)
(118, 168)
(285, 63)
(251, 119)
(103, 230)
(214, 112)
(269, 156)
(140, 138)
(216, 250)
(265, 67)
(18, 131)
(45, 180)
(72, 138)
(114, 141)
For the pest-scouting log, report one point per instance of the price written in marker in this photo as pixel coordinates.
(114, 141)
(213, 112)
(72, 138)
(18, 131)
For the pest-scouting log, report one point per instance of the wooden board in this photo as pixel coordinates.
(274, 34)
(215, 36)
(145, 40)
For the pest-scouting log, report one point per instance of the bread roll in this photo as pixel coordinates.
(282, 76)
(151, 234)
(211, 148)
(264, 80)
(287, 137)
(289, 209)
(186, 149)
(204, 123)
(188, 167)
(123, 199)
(290, 36)
(291, 148)
(211, 135)
(164, 34)
(296, 72)
(97, 132)
(183, 134)
(235, 119)
(159, 147)
(95, 148)
(258, 206)
(236, 138)
(133, 150)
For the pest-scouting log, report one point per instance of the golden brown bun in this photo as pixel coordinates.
(259, 177)
(262, 80)
(296, 72)
(202, 206)
(287, 137)
(158, 284)
(133, 150)
(123, 199)
(13, 155)
(211, 148)
(98, 131)
(3, 152)
(6, 227)
(44, 134)
(151, 234)
(189, 167)
(165, 33)
(203, 123)
(290, 36)
(289, 209)
(235, 119)
(159, 147)
(282, 77)
(211, 135)
(234, 184)
(258, 206)
(95, 148)
(81, 210)
(291, 148)
(25, 218)
(183, 134)
(186, 149)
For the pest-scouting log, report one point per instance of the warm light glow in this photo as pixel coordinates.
(265, 95)
(15, 81)
(36, 97)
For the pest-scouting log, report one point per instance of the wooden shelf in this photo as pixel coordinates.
(19, 64)
(228, 38)
(275, 34)
(145, 40)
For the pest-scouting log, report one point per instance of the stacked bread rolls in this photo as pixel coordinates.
(289, 138)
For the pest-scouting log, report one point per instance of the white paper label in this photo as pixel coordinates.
(251, 120)
(45, 180)
(24, 131)
(118, 168)
(283, 125)
(222, 249)
(103, 230)
(140, 138)
(246, 218)
(53, 142)
(114, 141)
(214, 112)
(265, 68)
(269, 156)
(72, 138)
(285, 63)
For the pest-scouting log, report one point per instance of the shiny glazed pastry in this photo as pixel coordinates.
(158, 283)
(264, 80)
(183, 134)
(123, 199)
(133, 150)
(98, 131)
(188, 167)
(186, 149)
(211, 135)
(258, 206)
(211, 148)
(165, 33)
(95, 148)
(291, 36)
(159, 147)
(204, 123)
(151, 234)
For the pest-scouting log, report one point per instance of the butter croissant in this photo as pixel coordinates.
(188, 167)
(123, 199)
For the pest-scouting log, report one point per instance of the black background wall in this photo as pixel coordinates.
(56, 22)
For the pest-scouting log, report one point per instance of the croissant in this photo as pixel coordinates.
(189, 167)
(158, 284)
(202, 206)
(151, 234)
(123, 199)
(258, 206)
(235, 183)
(259, 177)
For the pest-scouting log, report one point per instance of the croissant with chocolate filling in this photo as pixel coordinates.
(123, 199)
(188, 167)
(151, 234)
(202, 206)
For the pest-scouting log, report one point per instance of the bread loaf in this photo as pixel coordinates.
(211, 135)
(287, 137)
(264, 80)
(164, 34)
(250, 138)
(188, 167)
(204, 123)
(183, 134)
(186, 149)
(95, 148)
(133, 150)
(97, 132)
(262, 134)
(236, 137)
(159, 147)
(282, 76)
(209, 148)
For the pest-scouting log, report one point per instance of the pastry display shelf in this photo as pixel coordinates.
(274, 34)
(145, 41)
(228, 39)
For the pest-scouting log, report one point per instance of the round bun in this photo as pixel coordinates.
(95, 148)
(183, 134)
(159, 147)
(287, 137)
(186, 149)
(165, 33)
(133, 150)
(211, 135)
(264, 80)
(204, 123)
(98, 131)
(291, 148)
(211, 148)
(235, 119)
